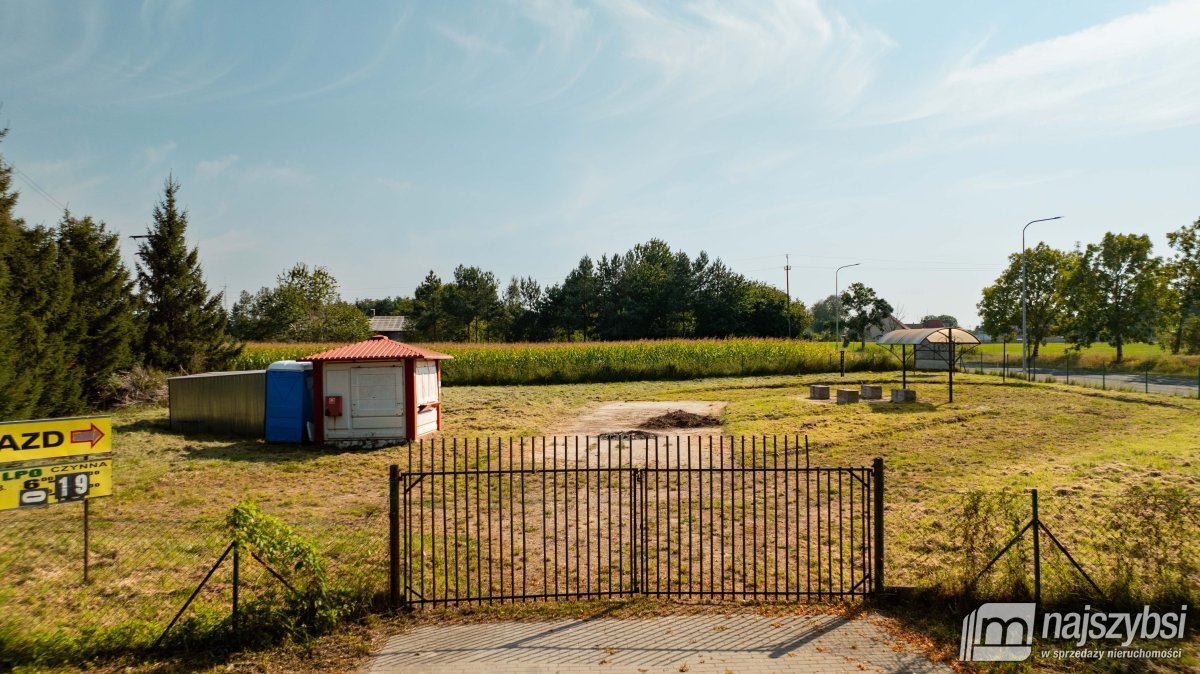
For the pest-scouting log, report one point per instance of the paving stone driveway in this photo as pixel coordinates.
(701, 643)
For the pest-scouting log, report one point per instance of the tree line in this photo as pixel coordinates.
(1115, 291)
(73, 316)
(647, 292)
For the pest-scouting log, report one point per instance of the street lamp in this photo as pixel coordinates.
(1025, 297)
(837, 314)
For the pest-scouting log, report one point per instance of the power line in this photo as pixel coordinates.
(36, 187)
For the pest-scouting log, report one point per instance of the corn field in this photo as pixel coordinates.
(568, 363)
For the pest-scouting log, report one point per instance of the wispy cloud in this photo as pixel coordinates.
(154, 155)
(561, 22)
(211, 168)
(1135, 72)
(469, 42)
(704, 48)
(232, 241)
(395, 185)
(269, 173)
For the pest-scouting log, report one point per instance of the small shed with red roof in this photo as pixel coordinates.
(376, 392)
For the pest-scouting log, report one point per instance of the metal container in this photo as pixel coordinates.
(223, 403)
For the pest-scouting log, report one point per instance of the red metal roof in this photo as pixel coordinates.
(375, 348)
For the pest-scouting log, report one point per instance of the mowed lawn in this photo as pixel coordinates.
(994, 435)
(1082, 448)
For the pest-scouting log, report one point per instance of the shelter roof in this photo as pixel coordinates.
(927, 336)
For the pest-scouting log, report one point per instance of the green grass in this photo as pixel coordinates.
(154, 539)
(587, 362)
(1138, 357)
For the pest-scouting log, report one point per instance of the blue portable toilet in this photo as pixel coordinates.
(289, 401)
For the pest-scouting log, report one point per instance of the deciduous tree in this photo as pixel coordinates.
(865, 309)
(1110, 292)
(1183, 274)
(1000, 307)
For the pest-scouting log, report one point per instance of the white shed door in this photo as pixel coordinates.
(377, 391)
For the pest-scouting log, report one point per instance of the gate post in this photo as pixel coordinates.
(878, 470)
(394, 536)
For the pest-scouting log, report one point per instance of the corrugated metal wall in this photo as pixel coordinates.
(219, 402)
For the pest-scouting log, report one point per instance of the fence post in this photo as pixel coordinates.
(86, 540)
(842, 362)
(878, 470)
(1037, 552)
(394, 536)
(236, 569)
(1104, 377)
(1198, 382)
(1147, 380)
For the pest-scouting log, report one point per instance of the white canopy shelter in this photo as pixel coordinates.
(929, 337)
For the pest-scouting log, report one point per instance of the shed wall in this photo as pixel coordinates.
(227, 403)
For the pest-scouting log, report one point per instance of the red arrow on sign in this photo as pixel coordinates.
(92, 435)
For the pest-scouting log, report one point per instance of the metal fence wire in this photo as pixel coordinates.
(1140, 543)
(622, 515)
(140, 571)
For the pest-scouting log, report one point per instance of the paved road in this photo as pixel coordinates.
(742, 643)
(1168, 384)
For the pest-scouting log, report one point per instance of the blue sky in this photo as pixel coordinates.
(383, 140)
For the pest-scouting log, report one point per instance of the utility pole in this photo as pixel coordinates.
(787, 283)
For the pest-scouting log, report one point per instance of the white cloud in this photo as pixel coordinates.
(395, 185)
(154, 155)
(783, 46)
(469, 42)
(562, 21)
(211, 168)
(232, 241)
(1138, 71)
(275, 174)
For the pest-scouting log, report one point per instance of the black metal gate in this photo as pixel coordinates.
(588, 518)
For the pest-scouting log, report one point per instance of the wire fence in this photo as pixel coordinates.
(1141, 544)
(141, 571)
(1069, 370)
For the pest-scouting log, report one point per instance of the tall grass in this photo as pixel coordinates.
(570, 363)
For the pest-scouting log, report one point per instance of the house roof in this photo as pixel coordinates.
(388, 323)
(927, 336)
(375, 348)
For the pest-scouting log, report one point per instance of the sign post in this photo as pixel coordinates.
(49, 461)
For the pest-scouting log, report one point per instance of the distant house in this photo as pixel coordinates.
(890, 323)
(392, 327)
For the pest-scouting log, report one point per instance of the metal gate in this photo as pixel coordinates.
(587, 518)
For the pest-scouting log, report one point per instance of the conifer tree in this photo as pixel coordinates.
(102, 301)
(45, 325)
(184, 326)
(16, 384)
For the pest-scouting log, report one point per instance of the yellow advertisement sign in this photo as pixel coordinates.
(55, 483)
(54, 438)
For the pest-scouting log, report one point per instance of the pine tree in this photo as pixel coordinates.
(184, 326)
(15, 383)
(102, 301)
(45, 325)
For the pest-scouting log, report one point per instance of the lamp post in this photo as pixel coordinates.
(837, 315)
(787, 270)
(1025, 298)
